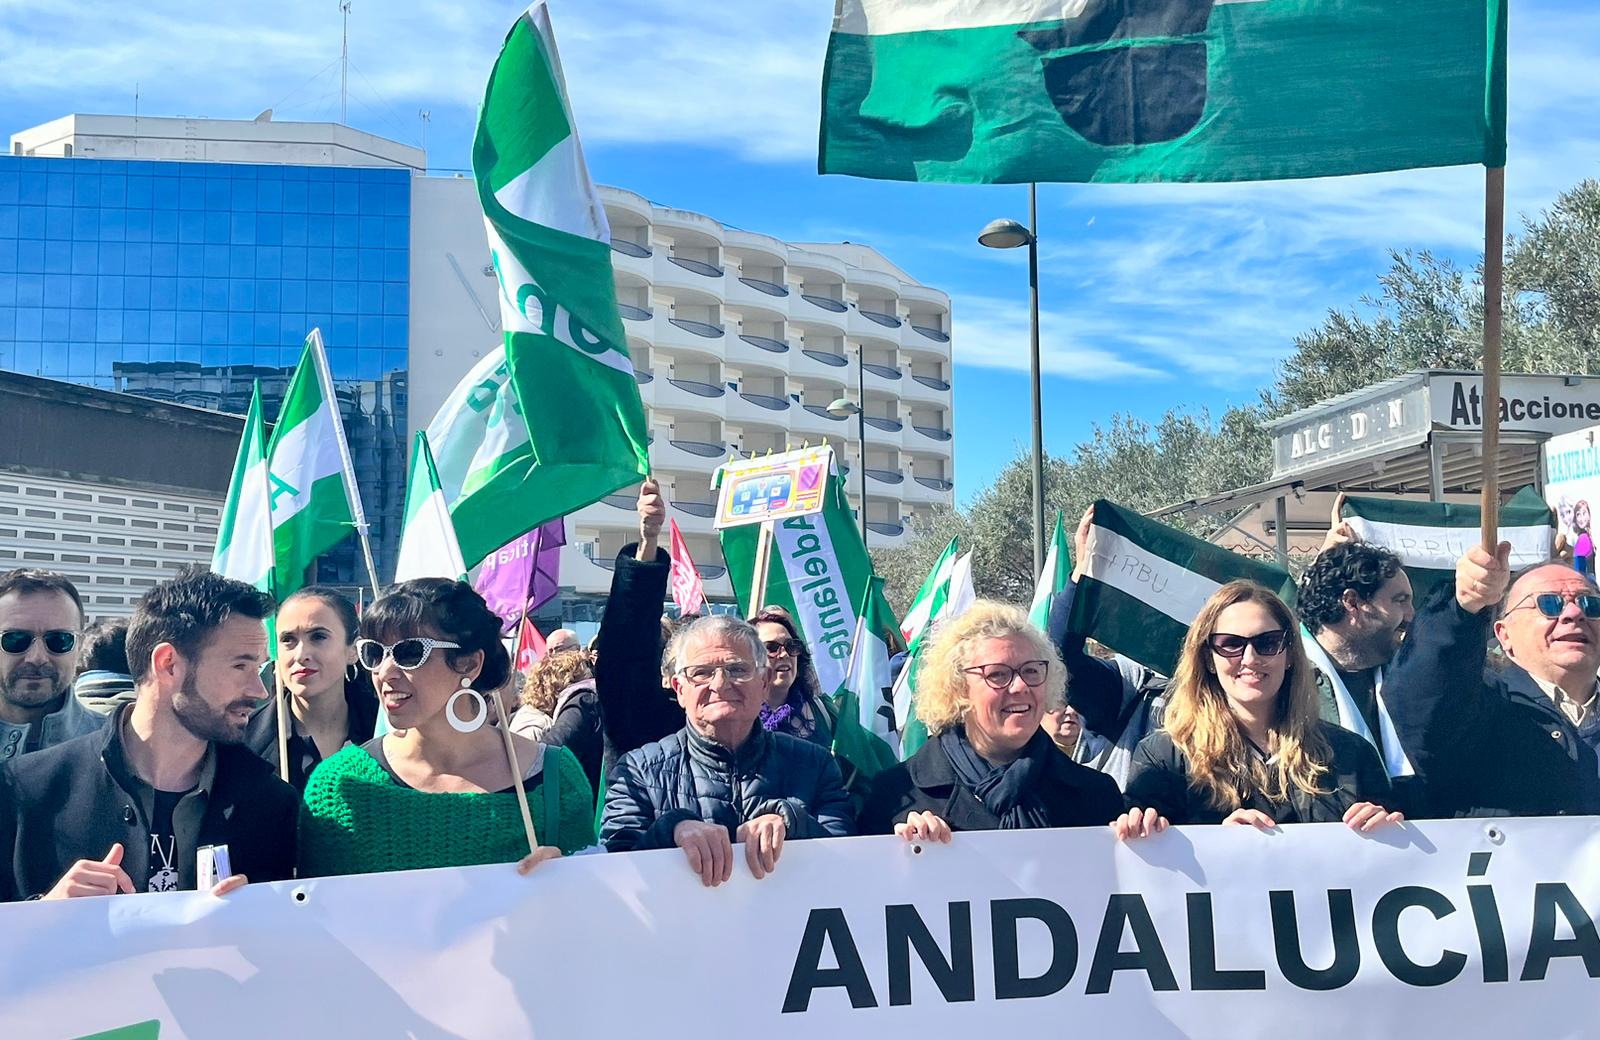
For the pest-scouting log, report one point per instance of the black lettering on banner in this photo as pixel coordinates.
(1146, 956)
(1515, 406)
(1342, 924)
(1004, 914)
(905, 930)
(1459, 416)
(827, 926)
(1486, 919)
(1203, 971)
(1543, 946)
(1386, 936)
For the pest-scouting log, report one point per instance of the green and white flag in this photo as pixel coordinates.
(1144, 583)
(428, 546)
(865, 739)
(1231, 90)
(244, 537)
(930, 597)
(1429, 537)
(818, 571)
(577, 427)
(948, 598)
(1055, 576)
(315, 502)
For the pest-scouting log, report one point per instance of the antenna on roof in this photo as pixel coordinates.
(344, 66)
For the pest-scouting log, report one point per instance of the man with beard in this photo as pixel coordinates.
(1355, 600)
(41, 623)
(125, 809)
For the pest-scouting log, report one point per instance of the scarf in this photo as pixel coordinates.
(1011, 792)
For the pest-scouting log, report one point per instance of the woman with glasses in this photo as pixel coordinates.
(331, 701)
(1242, 741)
(438, 790)
(988, 680)
(795, 704)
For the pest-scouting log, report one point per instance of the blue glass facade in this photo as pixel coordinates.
(187, 281)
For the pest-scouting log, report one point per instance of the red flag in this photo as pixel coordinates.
(530, 646)
(688, 591)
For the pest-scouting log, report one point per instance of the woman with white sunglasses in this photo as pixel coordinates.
(1242, 742)
(438, 789)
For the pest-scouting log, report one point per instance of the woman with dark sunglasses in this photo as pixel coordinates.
(982, 692)
(438, 789)
(795, 705)
(1241, 742)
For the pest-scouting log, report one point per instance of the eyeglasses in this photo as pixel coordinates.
(1551, 604)
(1265, 644)
(1000, 676)
(409, 654)
(780, 647)
(706, 674)
(56, 640)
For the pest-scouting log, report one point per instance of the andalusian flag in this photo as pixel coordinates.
(1144, 582)
(930, 597)
(1429, 537)
(1161, 90)
(244, 539)
(865, 739)
(315, 503)
(945, 593)
(564, 392)
(428, 547)
(1054, 578)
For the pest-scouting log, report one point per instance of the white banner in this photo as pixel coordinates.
(1460, 929)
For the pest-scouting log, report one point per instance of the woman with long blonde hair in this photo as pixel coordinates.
(1242, 741)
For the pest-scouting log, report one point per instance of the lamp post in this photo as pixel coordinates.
(843, 407)
(1008, 234)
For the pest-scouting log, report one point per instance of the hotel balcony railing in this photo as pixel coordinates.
(936, 483)
(711, 571)
(888, 321)
(836, 360)
(627, 248)
(776, 346)
(932, 382)
(776, 404)
(643, 376)
(817, 409)
(699, 267)
(886, 425)
(699, 389)
(762, 285)
(827, 303)
(697, 328)
(887, 476)
(881, 371)
(627, 502)
(933, 334)
(933, 432)
(706, 509)
(705, 449)
(632, 313)
(886, 529)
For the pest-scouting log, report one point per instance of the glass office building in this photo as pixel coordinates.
(189, 281)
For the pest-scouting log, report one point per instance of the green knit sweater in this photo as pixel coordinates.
(356, 819)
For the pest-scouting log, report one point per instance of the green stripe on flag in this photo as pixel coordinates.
(1012, 91)
(1053, 578)
(864, 737)
(428, 544)
(244, 534)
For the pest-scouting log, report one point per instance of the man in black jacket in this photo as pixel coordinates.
(126, 809)
(1514, 740)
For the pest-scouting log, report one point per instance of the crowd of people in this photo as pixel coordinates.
(401, 738)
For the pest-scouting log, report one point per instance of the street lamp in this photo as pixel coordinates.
(843, 408)
(1008, 234)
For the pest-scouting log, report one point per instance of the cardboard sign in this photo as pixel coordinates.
(777, 487)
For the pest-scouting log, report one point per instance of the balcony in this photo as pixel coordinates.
(886, 476)
(825, 302)
(695, 517)
(762, 286)
(703, 329)
(938, 484)
(623, 502)
(759, 409)
(927, 332)
(887, 425)
(888, 530)
(643, 376)
(927, 490)
(823, 413)
(687, 455)
(690, 395)
(881, 371)
(933, 383)
(827, 358)
(699, 267)
(699, 389)
(632, 313)
(888, 321)
(933, 432)
(626, 248)
(767, 343)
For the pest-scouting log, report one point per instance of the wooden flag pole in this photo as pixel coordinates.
(1494, 244)
(758, 578)
(284, 708)
(511, 748)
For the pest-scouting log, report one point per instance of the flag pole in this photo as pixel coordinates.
(511, 749)
(1494, 242)
(283, 723)
(347, 466)
(758, 579)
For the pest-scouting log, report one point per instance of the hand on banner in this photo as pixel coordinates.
(1080, 544)
(1481, 579)
(923, 826)
(89, 877)
(709, 850)
(1363, 817)
(544, 852)
(1251, 818)
(652, 517)
(1138, 823)
(1339, 530)
(763, 842)
(231, 883)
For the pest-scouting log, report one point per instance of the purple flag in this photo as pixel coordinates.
(523, 574)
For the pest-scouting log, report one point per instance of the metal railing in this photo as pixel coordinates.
(884, 424)
(933, 432)
(699, 389)
(888, 321)
(699, 267)
(827, 303)
(776, 346)
(697, 328)
(627, 248)
(836, 360)
(881, 371)
(933, 334)
(762, 285)
(932, 382)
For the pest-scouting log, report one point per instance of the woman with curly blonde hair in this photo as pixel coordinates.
(985, 685)
(1242, 742)
(561, 708)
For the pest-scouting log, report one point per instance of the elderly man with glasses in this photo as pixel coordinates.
(41, 623)
(723, 779)
(1517, 737)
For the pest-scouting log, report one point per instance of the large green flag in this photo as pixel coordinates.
(315, 503)
(428, 544)
(1143, 583)
(244, 536)
(945, 593)
(1053, 579)
(566, 356)
(1161, 90)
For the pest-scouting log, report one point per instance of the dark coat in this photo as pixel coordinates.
(687, 777)
(1160, 781)
(75, 800)
(636, 709)
(580, 728)
(1486, 741)
(1074, 795)
(261, 735)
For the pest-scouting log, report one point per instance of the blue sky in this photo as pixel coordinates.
(1153, 297)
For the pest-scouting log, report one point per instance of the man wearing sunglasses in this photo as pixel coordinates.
(1518, 738)
(41, 622)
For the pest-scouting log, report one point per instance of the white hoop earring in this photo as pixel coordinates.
(351, 673)
(480, 712)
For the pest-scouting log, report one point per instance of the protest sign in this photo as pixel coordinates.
(1572, 489)
(778, 487)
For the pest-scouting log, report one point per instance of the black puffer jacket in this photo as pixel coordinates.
(687, 777)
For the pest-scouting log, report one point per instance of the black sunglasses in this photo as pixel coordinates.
(1551, 604)
(1265, 644)
(56, 640)
(792, 647)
